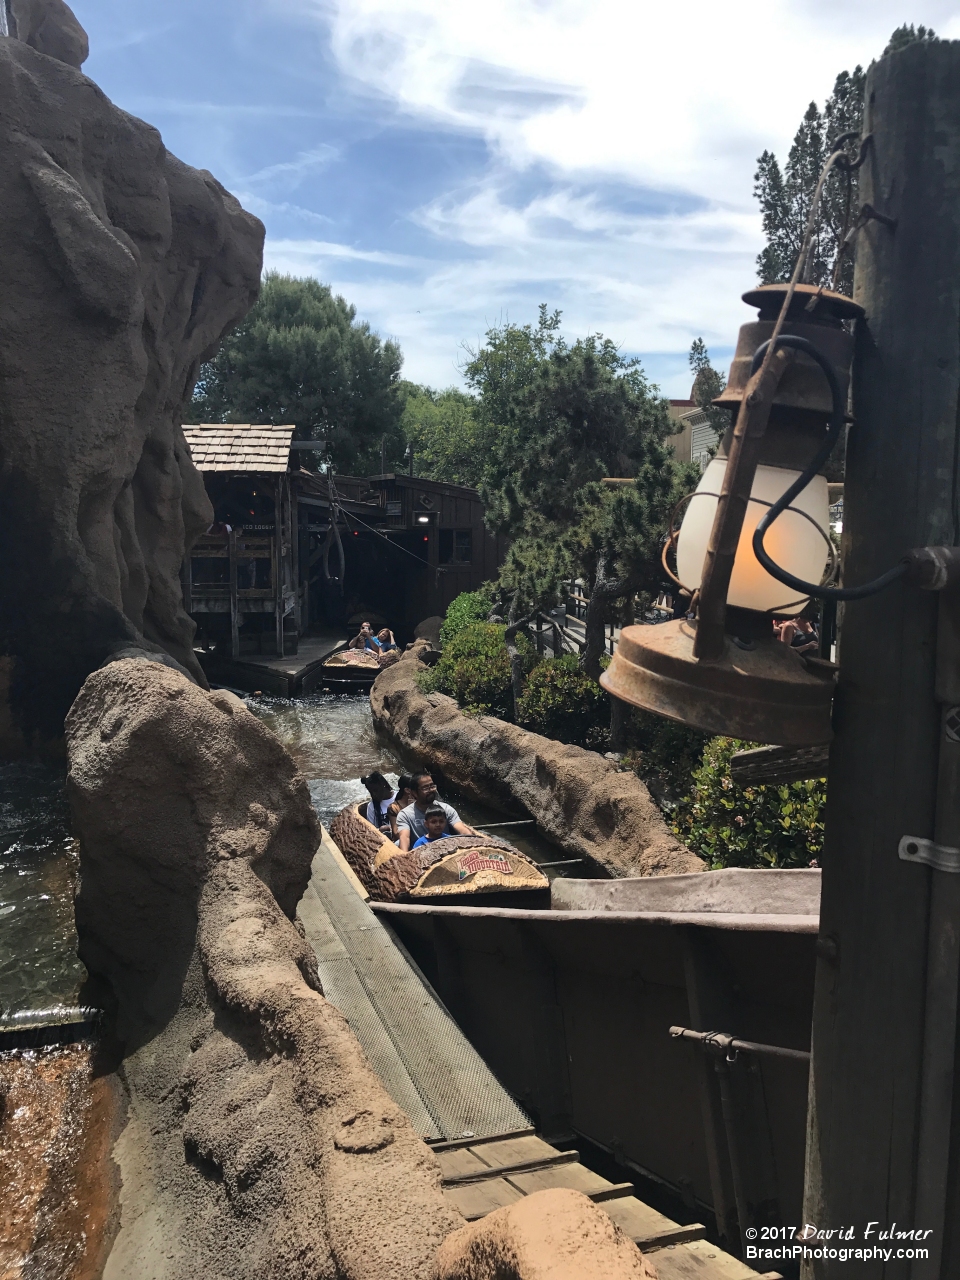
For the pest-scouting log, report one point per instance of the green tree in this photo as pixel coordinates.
(785, 194)
(707, 385)
(302, 356)
(560, 417)
(557, 416)
(445, 433)
(906, 35)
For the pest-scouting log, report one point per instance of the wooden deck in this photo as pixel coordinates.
(481, 1175)
(291, 676)
(489, 1155)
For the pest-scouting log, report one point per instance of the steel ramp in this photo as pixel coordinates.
(426, 1063)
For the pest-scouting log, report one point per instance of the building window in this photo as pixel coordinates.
(456, 546)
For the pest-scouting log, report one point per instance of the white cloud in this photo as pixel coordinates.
(681, 95)
(571, 97)
(291, 172)
(650, 284)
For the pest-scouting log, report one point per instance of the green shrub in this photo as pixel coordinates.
(474, 668)
(664, 754)
(561, 702)
(761, 826)
(464, 610)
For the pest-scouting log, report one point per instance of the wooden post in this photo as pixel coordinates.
(234, 599)
(295, 586)
(186, 579)
(902, 490)
(278, 559)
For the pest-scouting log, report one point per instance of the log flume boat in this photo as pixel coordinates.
(456, 869)
(353, 668)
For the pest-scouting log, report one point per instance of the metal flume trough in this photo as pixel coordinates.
(572, 1009)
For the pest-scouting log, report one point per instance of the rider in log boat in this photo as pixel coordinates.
(436, 823)
(411, 821)
(383, 800)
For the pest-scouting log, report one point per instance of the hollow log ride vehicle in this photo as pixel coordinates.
(351, 669)
(455, 869)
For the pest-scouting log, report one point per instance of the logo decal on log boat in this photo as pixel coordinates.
(477, 861)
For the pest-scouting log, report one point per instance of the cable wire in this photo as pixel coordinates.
(834, 427)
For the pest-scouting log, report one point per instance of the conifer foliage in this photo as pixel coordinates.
(785, 193)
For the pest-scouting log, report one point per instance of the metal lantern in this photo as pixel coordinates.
(724, 670)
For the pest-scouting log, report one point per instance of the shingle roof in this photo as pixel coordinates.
(239, 447)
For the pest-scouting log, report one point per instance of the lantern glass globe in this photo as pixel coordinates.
(793, 542)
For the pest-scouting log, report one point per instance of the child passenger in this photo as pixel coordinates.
(435, 820)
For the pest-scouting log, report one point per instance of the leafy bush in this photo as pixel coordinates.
(474, 668)
(561, 702)
(465, 609)
(664, 754)
(759, 826)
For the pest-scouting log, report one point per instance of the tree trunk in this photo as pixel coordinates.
(594, 622)
(619, 718)
(606, 589)
(516, 665)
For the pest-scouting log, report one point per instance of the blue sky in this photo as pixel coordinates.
(446, 165)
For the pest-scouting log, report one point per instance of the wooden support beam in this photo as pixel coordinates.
(777, 765)
(278, 561)
(900, 491)
(234, 604)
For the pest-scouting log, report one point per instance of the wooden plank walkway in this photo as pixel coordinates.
(482, 1175)
(489, 1154)
(425, 1061)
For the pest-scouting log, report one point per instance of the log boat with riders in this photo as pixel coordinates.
(479, 869)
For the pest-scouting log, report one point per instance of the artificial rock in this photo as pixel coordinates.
(122, 268)
(582, 801)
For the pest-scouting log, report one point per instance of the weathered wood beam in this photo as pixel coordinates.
(900, 492)
(776, 765)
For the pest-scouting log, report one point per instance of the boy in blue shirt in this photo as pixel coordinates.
(435, 820)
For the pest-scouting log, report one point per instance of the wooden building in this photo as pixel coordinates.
(290, 552)
(442, 545)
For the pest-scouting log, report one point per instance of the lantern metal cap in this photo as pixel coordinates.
(768, 298)
(764, 692)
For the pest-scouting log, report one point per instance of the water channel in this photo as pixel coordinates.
(332, 739)
(40, 975)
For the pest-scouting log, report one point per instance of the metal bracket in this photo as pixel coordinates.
(942, 857)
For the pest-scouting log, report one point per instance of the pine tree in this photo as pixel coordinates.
(785, 194)
(707, 385)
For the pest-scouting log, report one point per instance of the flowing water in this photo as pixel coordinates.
(40, 974)
(332, 738)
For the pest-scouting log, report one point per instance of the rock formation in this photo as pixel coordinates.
(122, 268)
(258, 1141)
(580, 800)
(257, 1138)
(555, 1235)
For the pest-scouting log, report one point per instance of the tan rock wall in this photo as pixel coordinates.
(258, 1140)
(579, 799)
(121, 269)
